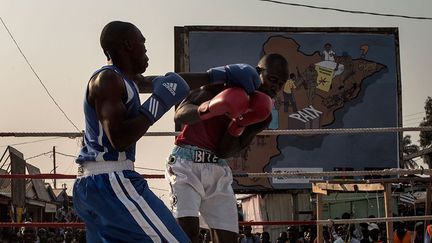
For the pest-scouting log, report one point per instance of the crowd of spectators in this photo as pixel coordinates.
(45, 235)
(371, 232)
(42, 235)
(404, 232)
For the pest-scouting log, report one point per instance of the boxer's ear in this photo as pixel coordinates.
(128, 44)
(259, 69)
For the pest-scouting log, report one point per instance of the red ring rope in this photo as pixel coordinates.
(305, 222)
(82, 225)
(62, 176)
(44, 225)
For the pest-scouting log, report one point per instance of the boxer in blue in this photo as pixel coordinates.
(114, 201)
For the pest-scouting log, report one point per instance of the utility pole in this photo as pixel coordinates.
(54, 164)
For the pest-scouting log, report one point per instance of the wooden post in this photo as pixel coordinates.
(295, 206)
(55, 166)
(319, 216)
(388, 211)
(428, 208)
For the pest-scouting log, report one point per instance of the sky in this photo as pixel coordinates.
(61, 41)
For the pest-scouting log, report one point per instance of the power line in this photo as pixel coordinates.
(28, 142)
(67, 155)
(348, 11)
(413, 118)
(159, 189)
(412, 123)
(143, 168)
(37, 76)
(413, 114)
(38, 155)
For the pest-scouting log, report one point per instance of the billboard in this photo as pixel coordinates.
(341, 78)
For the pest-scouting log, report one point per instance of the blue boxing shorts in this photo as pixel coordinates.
(117, 205)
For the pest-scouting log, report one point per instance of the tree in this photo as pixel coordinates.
(426, 137)
(409, 148)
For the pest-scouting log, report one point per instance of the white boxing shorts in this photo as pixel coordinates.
(201, 184)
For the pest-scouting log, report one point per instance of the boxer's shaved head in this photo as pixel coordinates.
(275, 61)
(113, 34)
(273, 69)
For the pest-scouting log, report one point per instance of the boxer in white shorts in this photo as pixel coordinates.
(219, 121)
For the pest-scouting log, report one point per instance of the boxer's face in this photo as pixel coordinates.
(273, 77)
(139, 51)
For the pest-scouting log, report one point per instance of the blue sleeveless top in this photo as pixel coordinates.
(97, 147)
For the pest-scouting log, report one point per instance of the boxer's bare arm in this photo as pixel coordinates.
(230, 146)
(187, 111)
(144, 83)
(194, 80)
(106, 95)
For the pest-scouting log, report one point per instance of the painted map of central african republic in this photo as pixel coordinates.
(322, 87)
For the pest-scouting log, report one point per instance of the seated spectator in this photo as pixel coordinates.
(326, 237)
(265, 237)
(59, 238)
(248, 236)
(401, 235)
(42, 235)
(374, 233)
(418, 233)
(29, 235)
(364, 233)
(81, 236)
(68, 235)
(293, 235)
(283, 237)
(347, 235)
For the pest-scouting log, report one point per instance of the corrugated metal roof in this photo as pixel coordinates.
(31, 189)
(58, 192)
(30, 193)
(38, 184)
(3, 181)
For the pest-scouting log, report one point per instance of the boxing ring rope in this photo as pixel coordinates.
(306, 174)
(385, 172)
(43, 225)
(265, 132)
(340, 221)
(62, 176)
(251, 223)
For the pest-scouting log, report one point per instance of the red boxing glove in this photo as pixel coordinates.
(232, 102)
(260, 106)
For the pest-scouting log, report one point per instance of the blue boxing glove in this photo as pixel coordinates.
(168, 91)
(240, 75)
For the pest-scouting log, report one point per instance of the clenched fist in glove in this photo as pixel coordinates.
(232, 102)
(168, 91)
(260, 106)
(239, 75)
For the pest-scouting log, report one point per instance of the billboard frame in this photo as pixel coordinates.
(182, 61)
